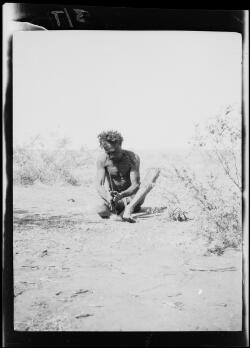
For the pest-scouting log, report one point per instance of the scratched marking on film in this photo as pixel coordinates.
(62, 17)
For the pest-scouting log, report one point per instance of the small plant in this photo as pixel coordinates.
(177, 214)
(218, 194)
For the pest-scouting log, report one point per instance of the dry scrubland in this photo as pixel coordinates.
(177, 268)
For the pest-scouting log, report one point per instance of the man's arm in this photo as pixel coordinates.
(100, 180)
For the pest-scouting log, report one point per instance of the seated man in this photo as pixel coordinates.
(121, 169)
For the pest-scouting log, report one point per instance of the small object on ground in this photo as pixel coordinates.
(81, 291)
(215, 248)
(44, 253)
(178, 305)
(156, 210)
(225, 269)
(84, 316)
(33, 267)
(96, 305)
(71, 200)
(221, 304)
(58, 293)
(178, 214)
(175, 295)
(18, 293)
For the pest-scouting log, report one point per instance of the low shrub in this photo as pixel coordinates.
(34, 163)
(217, 190)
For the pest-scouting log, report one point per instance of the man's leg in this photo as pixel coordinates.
(147, 184)
(103, 210)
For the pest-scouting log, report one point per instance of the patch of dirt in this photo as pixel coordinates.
(74, 271)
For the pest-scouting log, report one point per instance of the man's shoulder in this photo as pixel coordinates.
(132, 156)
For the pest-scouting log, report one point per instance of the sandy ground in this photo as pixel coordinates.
(74, 271)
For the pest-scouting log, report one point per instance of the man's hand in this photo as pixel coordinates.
(116, 196)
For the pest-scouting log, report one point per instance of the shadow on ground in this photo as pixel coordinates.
(26, 219)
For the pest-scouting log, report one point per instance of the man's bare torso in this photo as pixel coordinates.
(119, 171)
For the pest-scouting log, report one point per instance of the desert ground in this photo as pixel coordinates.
(74, 271)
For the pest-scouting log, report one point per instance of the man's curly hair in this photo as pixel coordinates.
(110, 136)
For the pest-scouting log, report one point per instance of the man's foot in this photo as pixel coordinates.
(129, 219)
(126, 216)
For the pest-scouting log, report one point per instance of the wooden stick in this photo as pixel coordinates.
(112, 189)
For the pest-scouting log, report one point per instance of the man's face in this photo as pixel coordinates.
(113, 150)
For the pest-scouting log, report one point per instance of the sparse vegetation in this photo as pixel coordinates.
(206, 185)
(218, 190)
(34, 163)
(61, 248)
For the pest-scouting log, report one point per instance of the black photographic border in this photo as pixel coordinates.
(116, 17)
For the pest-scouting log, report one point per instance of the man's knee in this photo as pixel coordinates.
(103, 211)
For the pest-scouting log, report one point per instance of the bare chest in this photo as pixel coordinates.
(120, 169)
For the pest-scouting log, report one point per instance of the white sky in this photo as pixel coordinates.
(151, 86)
